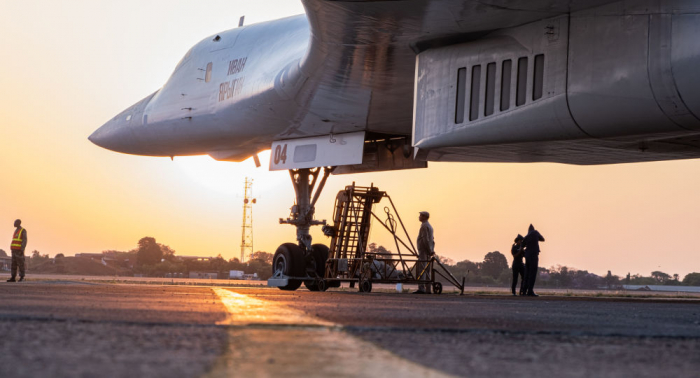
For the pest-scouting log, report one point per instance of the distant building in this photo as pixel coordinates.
(204, 275)
(241, 275)
(236, 275)
(195, 258)
(91, 256)
(667, 288)
(94, 257)
(5, 263)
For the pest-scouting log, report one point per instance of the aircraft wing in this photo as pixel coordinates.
(366, 50)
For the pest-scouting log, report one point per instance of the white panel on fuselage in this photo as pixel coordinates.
(323, 151)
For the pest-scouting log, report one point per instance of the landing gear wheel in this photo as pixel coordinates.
(322, 285)
(437, 287)
(289, 261)
(366, 286)
(320, 255)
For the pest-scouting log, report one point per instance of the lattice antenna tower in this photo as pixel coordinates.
(247, 227)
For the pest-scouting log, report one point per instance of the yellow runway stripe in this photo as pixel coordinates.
(244, 310)
(322, 349)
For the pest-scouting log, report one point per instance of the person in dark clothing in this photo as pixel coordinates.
(531, 242)
(518, 267)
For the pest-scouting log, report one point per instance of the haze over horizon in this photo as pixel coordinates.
(70, 66)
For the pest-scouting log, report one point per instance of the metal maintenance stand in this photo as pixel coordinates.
(348, 260)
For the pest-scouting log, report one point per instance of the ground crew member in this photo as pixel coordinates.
(518, 266)
(19, 244)
(532, 259)
(426, 250)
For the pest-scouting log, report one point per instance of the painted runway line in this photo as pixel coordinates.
(270, 340)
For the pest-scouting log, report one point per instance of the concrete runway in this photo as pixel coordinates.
(77, 329)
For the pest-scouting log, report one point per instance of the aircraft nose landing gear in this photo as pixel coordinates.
(348, 259)
(288, 262)
(304, 261)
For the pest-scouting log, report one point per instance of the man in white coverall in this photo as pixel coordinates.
(426, 250)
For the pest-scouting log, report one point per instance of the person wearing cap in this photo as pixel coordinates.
(426, 250)
(19, 244)
(532, 259)
(518, 266)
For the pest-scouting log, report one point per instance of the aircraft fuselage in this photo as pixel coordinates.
(228, 97)
(545, 81)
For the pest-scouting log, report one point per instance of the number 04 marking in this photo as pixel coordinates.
(281, 154)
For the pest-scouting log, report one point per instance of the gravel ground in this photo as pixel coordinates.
(496, 354)
(85, 330)
(78, 329)
(98, 349)
(499, 336)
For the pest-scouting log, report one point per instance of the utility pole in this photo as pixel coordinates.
(247, 227)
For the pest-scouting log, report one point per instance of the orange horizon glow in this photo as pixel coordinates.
(69, 66)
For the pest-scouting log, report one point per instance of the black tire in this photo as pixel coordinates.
(320, 254)
(437, 287)
(366, 286)
(289, 261)
(322, 285)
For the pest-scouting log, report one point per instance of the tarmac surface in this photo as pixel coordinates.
(78, 329)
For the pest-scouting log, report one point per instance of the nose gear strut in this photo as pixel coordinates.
(310, 258)
(302, 216)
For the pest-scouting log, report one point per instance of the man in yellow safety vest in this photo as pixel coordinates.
(19, 244)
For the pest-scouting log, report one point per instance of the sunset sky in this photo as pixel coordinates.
(68, 66)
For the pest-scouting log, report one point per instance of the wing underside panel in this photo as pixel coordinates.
(361, 63)
(577, 152)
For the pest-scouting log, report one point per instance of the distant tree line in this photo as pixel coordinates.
(495, 270)
(157, 260)
(154, 259)
(36, 259)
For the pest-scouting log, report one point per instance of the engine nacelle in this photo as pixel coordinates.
(627, 71)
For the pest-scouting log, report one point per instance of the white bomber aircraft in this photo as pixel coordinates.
(372, 85)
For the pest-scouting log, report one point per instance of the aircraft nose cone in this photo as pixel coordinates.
(98, 137)
(115, 137)
(125, 132)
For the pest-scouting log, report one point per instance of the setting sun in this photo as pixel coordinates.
(227, 178)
